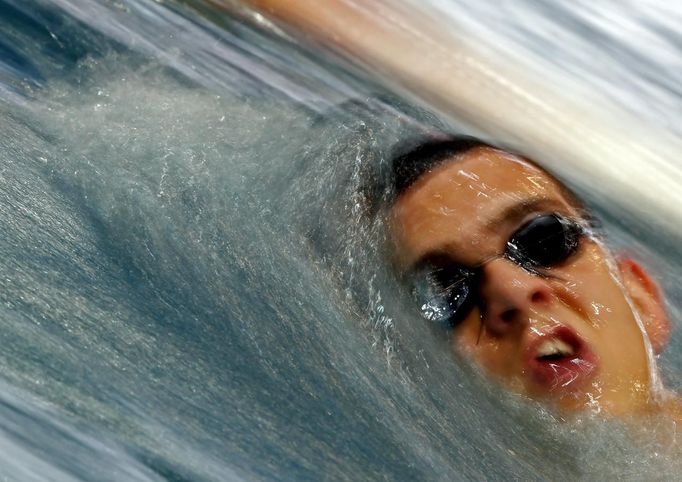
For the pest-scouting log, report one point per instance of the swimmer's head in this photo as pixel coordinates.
(503, 257)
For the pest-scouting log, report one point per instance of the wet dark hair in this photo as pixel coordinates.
(407, 167)
(411, 165)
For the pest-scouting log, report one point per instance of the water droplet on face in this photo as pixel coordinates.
(468, 175)
(599, 309)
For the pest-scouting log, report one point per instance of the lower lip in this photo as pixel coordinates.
(567, 373)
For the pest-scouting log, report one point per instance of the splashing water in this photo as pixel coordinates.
(190, 289)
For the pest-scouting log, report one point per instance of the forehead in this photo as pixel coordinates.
(468, 206)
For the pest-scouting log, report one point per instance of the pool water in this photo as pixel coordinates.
(189, 285)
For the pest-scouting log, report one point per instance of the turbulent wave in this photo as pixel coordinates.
(190, 288)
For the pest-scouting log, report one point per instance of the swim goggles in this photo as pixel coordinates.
(446, 292)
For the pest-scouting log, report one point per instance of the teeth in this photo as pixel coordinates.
(554, 347)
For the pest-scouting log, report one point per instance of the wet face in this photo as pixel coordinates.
(496, 252)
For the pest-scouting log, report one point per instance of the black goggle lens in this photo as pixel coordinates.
(446, 292)
(543, 242)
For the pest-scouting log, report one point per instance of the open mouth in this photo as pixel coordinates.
(560, 360)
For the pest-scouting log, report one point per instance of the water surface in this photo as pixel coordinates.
(189, 288)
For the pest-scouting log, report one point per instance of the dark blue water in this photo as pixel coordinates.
(188, 288)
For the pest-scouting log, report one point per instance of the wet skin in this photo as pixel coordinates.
(592, 315)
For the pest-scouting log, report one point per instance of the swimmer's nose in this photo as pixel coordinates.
(509, 293)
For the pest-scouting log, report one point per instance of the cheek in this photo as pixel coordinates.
(589, 288)
(496, 356)
(466, 336)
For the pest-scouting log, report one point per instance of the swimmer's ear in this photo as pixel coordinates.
(648, 299)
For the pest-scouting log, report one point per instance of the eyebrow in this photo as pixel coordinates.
(512, 214)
